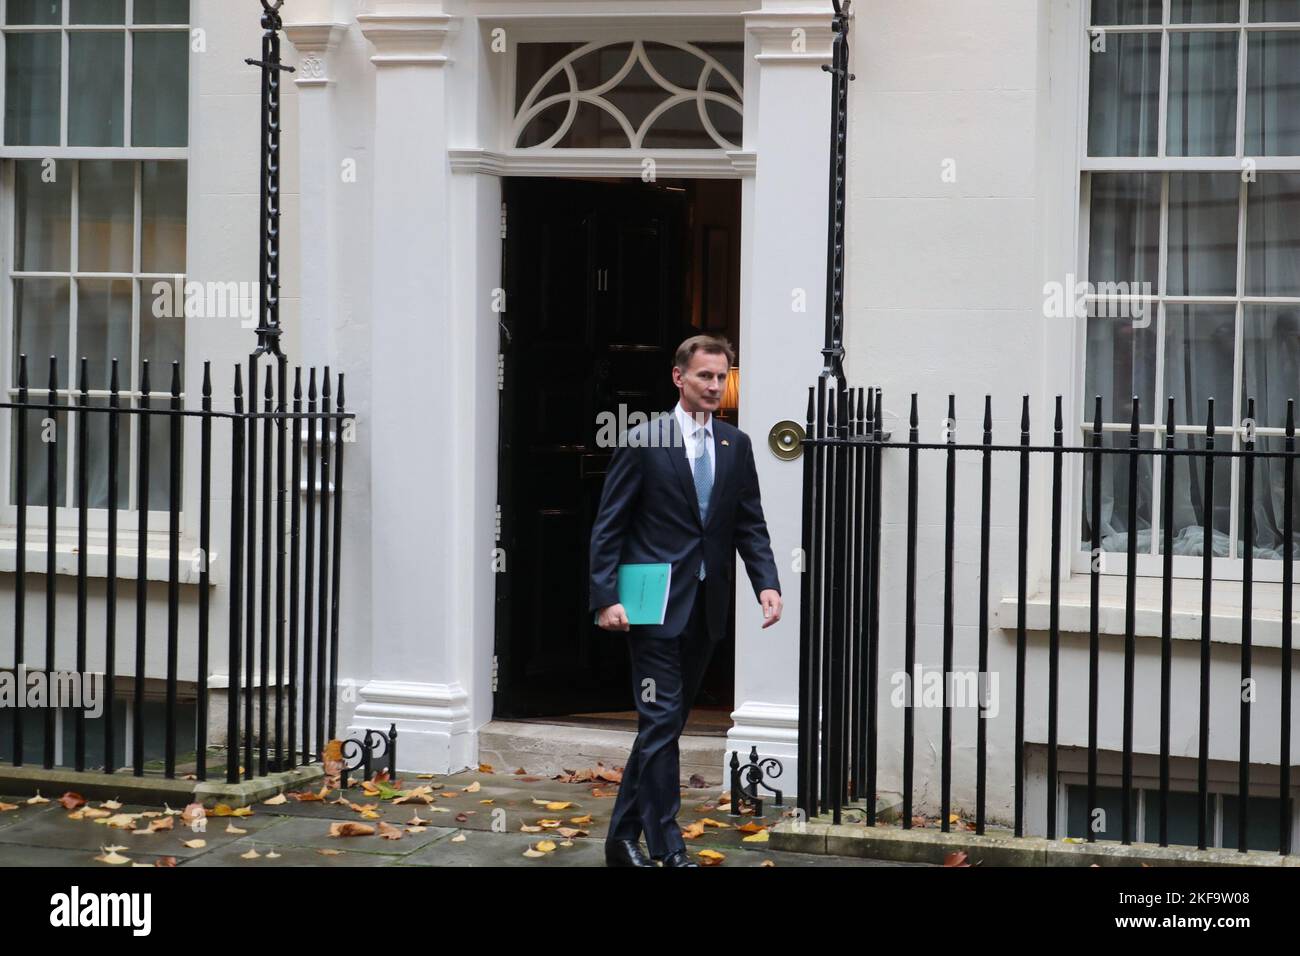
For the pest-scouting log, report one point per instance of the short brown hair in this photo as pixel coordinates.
(710, 344)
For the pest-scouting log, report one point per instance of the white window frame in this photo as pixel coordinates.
(159, 394)
(1151, 562)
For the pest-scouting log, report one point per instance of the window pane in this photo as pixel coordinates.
(1112, 12)
(1202, 118)
(103, 326)
(32, 64)
(1124, 95)
(1183, 817)
(1275, 11)
(162, 338)
(1198, 366)
(1124, 228)
(38, 450)
(1203, 209)
(160, 72)
(1272, 95)
(1262, 822)
(97, 426)
(162, 215)
(96, 62)
(1273, 235)
(1270, 366)
(160, 445)
(97, 11)
(162, 11)
(40, 327)
(33, 11)
(1110, 800)
(1205, 11)
(42, 216)
(1120, 363)
(1113, 528)
(105, 208)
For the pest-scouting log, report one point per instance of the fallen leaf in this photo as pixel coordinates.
(458, 838)
(473, 787)
(525, 828)
(692, 831)
(165, 861)
(71, 800)
(710, 822)
(124, 821)
(38, 799)
(252, 854)
(165, 823)
(767, 863)
(759, 837)
(276, 801)
(390, 832)
(549, 824)
(7, 806)
(485, 768)
(711, 858)
(195, 811)
(273, 855)
(111, 805)
(333, 750)
(110, 855)
(330, 852)
(350, 828)
(570, 832)
(956, 858)
(231, 828)
(530, 852)
(585, 818)
(195, 844)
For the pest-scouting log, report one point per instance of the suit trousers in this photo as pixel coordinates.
(649, 797)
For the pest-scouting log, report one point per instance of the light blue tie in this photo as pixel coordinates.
(703, 478)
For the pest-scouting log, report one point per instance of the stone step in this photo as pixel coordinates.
(548, 749)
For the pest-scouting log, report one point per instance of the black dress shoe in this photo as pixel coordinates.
(625, 853)
(678, 858)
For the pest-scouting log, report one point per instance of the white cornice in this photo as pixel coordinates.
(774, 30)
(703, 164)
(403, 39)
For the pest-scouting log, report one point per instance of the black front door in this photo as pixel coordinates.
(595, 304)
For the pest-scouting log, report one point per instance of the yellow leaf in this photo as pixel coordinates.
(473, 787)
(760, 837)
(558, 805)
(38, 799)
(252, 854)
(276, 801)
(195, 844)
(546, 846)
(585, 818)
(710, 822)
(110, 855)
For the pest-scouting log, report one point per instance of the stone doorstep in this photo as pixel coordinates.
(547, 749)
(998, 848)
(129, 788)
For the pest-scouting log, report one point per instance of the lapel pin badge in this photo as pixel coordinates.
(725, 442)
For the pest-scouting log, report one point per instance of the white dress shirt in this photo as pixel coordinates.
(691, 430)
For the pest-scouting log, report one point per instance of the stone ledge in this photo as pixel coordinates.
(129, 788)
(998, 848)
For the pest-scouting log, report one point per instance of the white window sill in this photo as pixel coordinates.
(1185, 620)
(66, 557)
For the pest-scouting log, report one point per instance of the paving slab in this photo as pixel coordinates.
(45, 856)
(506, 849)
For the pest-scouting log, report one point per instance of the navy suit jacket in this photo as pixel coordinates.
(649, 514)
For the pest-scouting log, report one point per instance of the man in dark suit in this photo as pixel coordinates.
(681, 489)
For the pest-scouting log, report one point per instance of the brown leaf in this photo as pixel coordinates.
(332, 751)
(165, 861)
(390, 832)
(7, 806)
(162, 823)
(957, 858)
(485, 768)
(71, 800)
(692, 831)
(350, 829)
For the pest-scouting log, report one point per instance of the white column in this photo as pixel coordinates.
(783, 275)
(318, 172)
(419, 542)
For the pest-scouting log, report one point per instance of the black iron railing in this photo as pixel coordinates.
(299, 625)
(845, 497)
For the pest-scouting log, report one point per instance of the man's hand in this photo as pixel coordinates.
(770, 600)
(614, 618)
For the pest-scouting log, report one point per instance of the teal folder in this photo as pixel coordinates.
(643, 592)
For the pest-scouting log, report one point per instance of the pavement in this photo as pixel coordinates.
(468, 819)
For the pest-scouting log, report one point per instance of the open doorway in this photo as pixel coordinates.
(603, 279)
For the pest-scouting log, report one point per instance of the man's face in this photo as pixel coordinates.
(702, 384)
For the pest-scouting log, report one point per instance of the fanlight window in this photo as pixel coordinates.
(637, 94)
